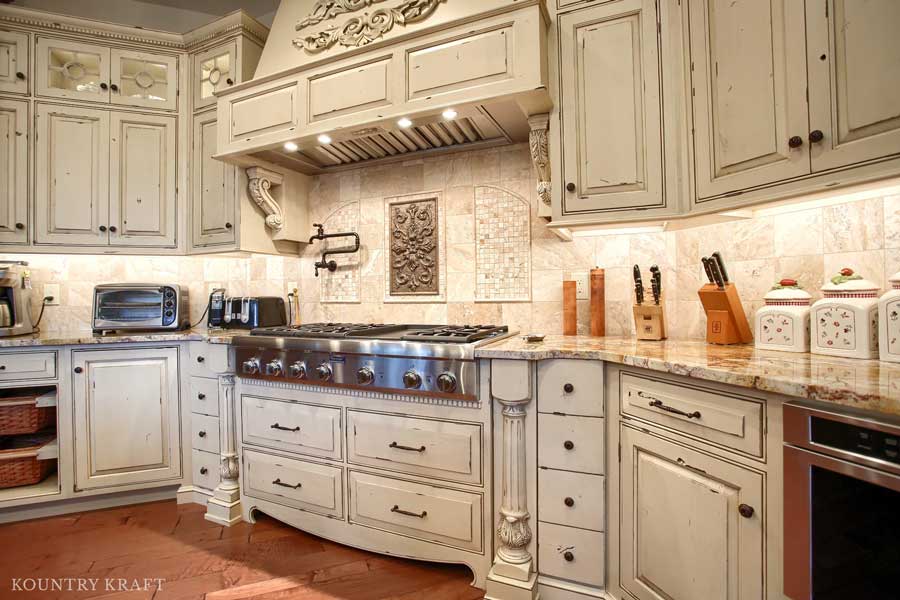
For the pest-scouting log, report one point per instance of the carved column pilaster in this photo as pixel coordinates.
(513, 528)
(224, 507)
(539, 143)
(260, 184)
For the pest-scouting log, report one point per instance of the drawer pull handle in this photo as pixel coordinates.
(399, 510)
(568, 556)
(277, 426)
(569, 445)
(204, 470)
(202, 434)
(656, 403)
(397, 446)
(287, 485)
(568, 388)
(684, 464)
(570, 502)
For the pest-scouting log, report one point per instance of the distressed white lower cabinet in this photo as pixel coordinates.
(127, 418)
(14, 68)
(13, 171)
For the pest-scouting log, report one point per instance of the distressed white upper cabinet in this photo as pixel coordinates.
(214, 70)
(127, 417)
(13, 171)
(692, 526)
(749, 86)
(854, 81)
(14, 73)
(142, 79)
(214, 198)
(72, 70)
(71, 196)
(142, 180)
(610, 110)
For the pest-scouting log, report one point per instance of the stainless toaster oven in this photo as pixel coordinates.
(141, 306)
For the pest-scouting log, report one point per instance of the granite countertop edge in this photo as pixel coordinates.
(87, 337)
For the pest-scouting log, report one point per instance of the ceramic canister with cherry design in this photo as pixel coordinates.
(889, 322)
(845, 321)
(783, 323)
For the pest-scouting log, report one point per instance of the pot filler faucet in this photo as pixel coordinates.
(321, 235)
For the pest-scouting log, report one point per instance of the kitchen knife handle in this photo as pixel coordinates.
(721, 264)
(708, 269)
(717, 276)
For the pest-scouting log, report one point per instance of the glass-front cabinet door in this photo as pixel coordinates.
(140, 79)
(14, 62)
(214, 70)
(72, 70)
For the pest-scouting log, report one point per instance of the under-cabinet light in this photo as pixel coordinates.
(291, 147)
(449, 114)
(618, 231)
(324, 139)
(404, 123)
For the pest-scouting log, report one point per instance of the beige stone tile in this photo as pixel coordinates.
(434, 173)
(546, 317)
(371, 211)
(485, 165)
(460, 258)
(459, 170)
(891, 265)
(546, 286)
(799, 233)
(687, 247)
(647, 249)
(892, 221)
(349, 183)
(751, 239)
(370, 235)
(612, 251)
(619, 318)
(274, 268)
(691, 320)
(515, 162)
(516, 316)
(460, 200)
(461, 287)
(688, 279)
(619, 284)
(870, 264)
(753, 278)
(372, 262)
(808, 270)
(715, 237)
(854, 226)
(460, 229)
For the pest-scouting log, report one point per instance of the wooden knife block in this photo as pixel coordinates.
(726, 322)
(650, 321)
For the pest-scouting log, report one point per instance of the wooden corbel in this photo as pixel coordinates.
(540, 156)
(261, 182)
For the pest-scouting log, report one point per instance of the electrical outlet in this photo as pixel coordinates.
(582, 285)
(52, 289)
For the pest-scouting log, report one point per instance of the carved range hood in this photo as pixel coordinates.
(347, 82)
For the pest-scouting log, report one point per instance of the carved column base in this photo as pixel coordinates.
(499, 587)
(224, 508)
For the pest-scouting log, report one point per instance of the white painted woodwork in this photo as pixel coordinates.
(204, 395)
(264, 111)
(72, 70)
(510, 380)
(205, 466)
(13, 170)
(212, 71)
(588, 439)
(724, 420)
(14, 46)
(143, 79)
(853, 93)
(611, 121)
(210, 360)
(126, 417)
(427, 447)
(72, 177)
(214, 181)
(18, 365)
(440, 515)
(749, 86)
(301, 428)
(473, 60)
(586, 379)
(682, 535)
(205, 434)
(587, 548)
(142, 182)
(360, 87)
(587, 492)
(301, 484)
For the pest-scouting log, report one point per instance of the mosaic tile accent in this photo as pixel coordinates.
(502, 246)
(341, 286)
(415, 257)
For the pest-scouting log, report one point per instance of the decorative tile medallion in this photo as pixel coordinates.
(415, 256)
(341, 286)
(502, 246)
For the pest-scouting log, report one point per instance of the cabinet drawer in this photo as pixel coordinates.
(308, 486)
(205, 433)
(723, 420)
(209, 360)
(573, 387)
(571, 443)
(302, 428)
(420, 511)
(205, 396)
(205, 467)
(265, 112)
(573, 499)
(27, 365)
(436, 449)
(570, 553)
(349, 91)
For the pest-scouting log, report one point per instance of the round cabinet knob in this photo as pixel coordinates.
(570, 502)
(447, 383)
(20, 75)
(273, 368)
(795, 141)
(76, 369)
(103, 86)
(229, 81)
(20, 226)
(816, 136)
(201, 359)
(568, 388)
(228, 225)
(568, 556)
(570, 187)
(365, 376)
(114, 87)
(201, 396)
(113, 228)
(201, 434)
(323, 372)
(746, 511)
(412, 380)
(103, 229)
(204, 470)
(569, 445)
(251, 367)
(297, 370)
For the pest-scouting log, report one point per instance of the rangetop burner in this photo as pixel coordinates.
(434, 360)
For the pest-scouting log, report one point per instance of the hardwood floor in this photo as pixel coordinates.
(116, 550)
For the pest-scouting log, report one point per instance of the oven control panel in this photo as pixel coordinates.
(858, 440)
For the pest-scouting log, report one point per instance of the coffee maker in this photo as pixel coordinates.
(15, 299)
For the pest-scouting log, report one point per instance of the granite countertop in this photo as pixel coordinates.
(869, 385)
(79, 337)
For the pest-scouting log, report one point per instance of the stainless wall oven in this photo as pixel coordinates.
(841, 506)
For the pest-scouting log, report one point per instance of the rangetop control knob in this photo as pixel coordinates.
(412, 380)
(297, 370)
(274, 368)
(365, 376)
(446, 383)
(251, 366)
(323, 372)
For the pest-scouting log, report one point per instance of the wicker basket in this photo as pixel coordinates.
(20, 414)
(19, 464)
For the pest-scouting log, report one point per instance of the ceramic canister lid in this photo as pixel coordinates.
(787, 292)
(895, 280)
(848, 284)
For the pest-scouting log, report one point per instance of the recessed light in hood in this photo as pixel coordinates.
(291, 147)
(404, 123)
(324, 139)
(449, 114)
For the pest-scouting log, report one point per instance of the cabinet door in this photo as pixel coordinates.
(854, 80)
(127, 417)
(214, 188)
(749, 86)
(214, 70)
(610, 94)
(14, 62)
(142, 180)
(682, 534)
(141, 79)
(72, 70)
(71, 176)
(13, 172)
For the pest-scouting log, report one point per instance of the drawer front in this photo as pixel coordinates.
(205, 433)
(420, 511)
(205, 396)
(209, 360)
(205, 467)
(436, 449)
(264, 113)
(573, 499)
(305, 485)
(571, 443)
(573, 554)
(303, 428)
(572, 387)
(27, 365)
(352, 90)
(720, 419)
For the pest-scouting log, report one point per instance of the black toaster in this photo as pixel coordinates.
(249, 312)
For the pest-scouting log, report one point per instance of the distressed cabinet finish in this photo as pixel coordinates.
(126, 417)
(72, 70)
(142, 79)
(13, 172)
(214, 191)
(214, 70)
(14, 72)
